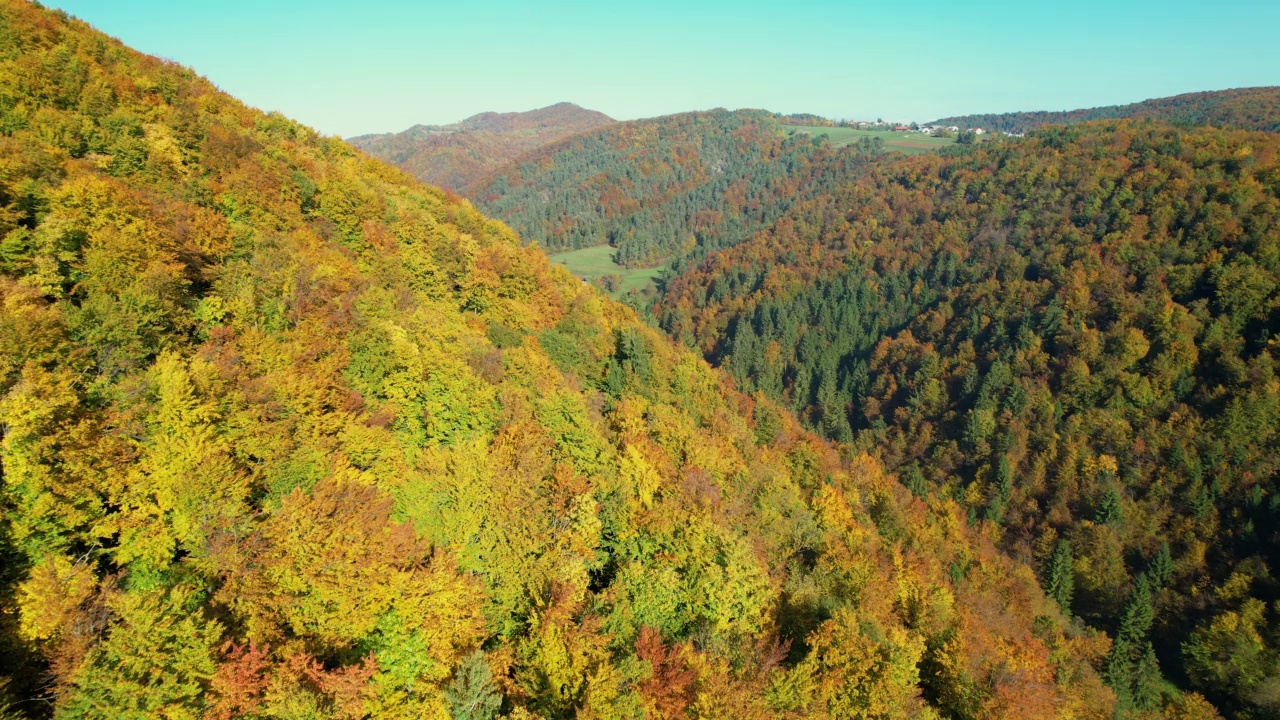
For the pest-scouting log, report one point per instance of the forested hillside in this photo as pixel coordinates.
(1073, 336)
(454, 156)
(287, 434)
(1244, 108)
(659, 189)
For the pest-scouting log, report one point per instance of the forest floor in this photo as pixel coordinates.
(596, 262)
(910, 143)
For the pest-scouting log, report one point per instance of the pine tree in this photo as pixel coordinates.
(1060, 579)
(615, 379)
(1135, 621)
(1004, 477)
(1118, 671)
(1132, 670)
(1160, 569)
(1147, 680)
(835, 424)
(473, 695)
(1003, 489)
(1110, 512)
(914, 480)
(995, 509)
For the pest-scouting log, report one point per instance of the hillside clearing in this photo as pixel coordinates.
(910, 143)
(596, 262)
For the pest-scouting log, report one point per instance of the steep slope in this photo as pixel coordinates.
(287, 434)
(661, 188)
(454, 156)
(1073, 335)
(1243, 108)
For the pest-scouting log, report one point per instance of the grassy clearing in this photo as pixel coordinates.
(596, 262)
(908, 142)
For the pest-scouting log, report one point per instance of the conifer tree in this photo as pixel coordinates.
(1060, 579)
(1003, 489)
(473, 695)
(1132, 670)
(1109, 512)
(914, 481)
(1118, 671)
(1138, 613)
(1004, 477)
(1160, 569)
(1147, 680)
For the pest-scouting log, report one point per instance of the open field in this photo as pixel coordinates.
(596, 262)
(908, 142)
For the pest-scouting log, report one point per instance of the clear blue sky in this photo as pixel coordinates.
(347, 67)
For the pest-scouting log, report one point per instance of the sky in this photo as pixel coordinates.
(348, 68)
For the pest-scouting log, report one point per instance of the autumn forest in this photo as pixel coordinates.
(288, 431)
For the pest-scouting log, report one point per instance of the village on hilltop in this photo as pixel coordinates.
(931, 130)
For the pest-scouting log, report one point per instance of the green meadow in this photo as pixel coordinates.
(596, 262)
(910, 143)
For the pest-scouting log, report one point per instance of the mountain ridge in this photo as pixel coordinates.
(1256, 108)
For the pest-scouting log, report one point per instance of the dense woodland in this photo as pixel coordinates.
(666, 188)
(457, 155)
(287, 434)
(1244, 108)
(1070, 336)
(1073, 336)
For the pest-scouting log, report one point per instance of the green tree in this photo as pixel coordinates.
(1109, 510)
(1060, 577)
(1227, 657)
(1135, 621)
(1002, 491)
(473, 695)
(1147, 682)
(1131, 669)
(914, 480)
(1160, 569)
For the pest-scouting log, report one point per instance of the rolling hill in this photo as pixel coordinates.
(453, 156)
(662, 188)
(289, 434)
(1244, 108)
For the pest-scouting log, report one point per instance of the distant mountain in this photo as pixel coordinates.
(1244, 108)
(455, 155)
(553, 117)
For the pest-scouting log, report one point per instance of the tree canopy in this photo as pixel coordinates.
(1073, 336)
